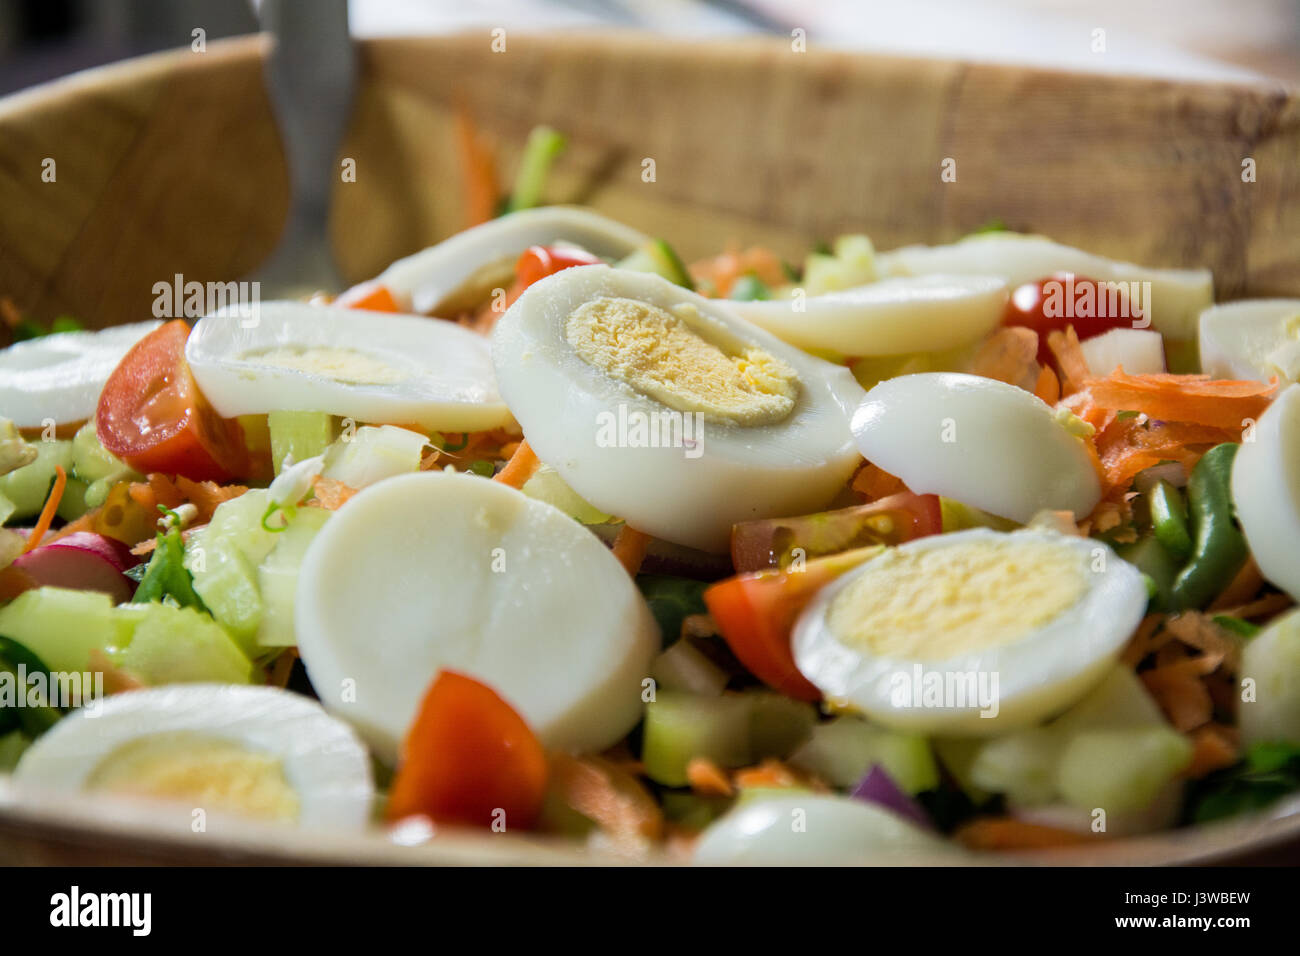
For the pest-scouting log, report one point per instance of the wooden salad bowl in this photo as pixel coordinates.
(171, 164)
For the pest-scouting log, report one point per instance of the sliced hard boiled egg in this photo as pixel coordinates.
(669, 410)
(59, 377)
(889, 317)
(485, 255)
(1252, 340)
(971, 633)
(811, 829)
(435, 570)
(985, 443)
(257, 752)
(368, 366)
(1177, 295)
(1266, 491)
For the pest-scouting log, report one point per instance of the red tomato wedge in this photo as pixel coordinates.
(467, 756)
(538, 262)
(152, 415)
(1064, 299)
(770, 542)
(756, 613)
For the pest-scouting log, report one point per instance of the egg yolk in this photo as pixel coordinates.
(663, 356)
(936, 604)
(340, 364)
(207, 772)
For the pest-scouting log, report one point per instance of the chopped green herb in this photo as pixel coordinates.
(1268, 772)
(1236, 625)
(543, 148)
(166, 575)
(749, 288)
(672, 600)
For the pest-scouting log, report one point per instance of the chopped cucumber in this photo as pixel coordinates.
(12, 746)
(373, 453)
(300, 435)
(28, 487)
(543, 148)
(958, 516)
(1121, 771)
(92, 462)
(547, 485)
(852, 264)
(841, 751)
(227, 582)
(686, 668)
(749, 288)
(957, 754)
(679, 727)
(7, 508)
(277, 577)
(778, 725)
(172, 645)
(1021, 765)
(658, 257)
(72, 505)
(693, 811)
(1272, 660)
(62, 626)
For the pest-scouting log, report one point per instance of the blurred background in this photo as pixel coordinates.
(1203, 39)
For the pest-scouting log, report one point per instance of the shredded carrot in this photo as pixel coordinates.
(630, 547)
(772, 773)
(1244, 586)
(1261, 608)
(1069, 359)
(48, 512)
(331, 493)
(370, 296)
(717, 275)
(1010, 355)
(521, 466)
(1048, 386)
(1008, 833)
(1196, 399)
(610, 796)
(85, 523)
(1178, 689)
(283, 668)
(1145, 640)
(707, 778)
(1213, 750)
(481, 188)
(206, 496)
(874, 482)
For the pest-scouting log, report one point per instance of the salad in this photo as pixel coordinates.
(974, 548)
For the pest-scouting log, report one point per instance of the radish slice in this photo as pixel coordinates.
(85, 561)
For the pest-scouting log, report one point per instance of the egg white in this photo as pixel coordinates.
(1266, 491)
(441, 374)
(1040, 674)
(792, 467)
(324, 763)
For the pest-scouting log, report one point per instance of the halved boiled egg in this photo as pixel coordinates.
(667, 409)
(435, 570)
(368, 366)
(889, 317)
(59, 377)
(1258, 339)
(256, 752)
(485, 255)
(1266, 491)
(985, 443)
(971, 633)
(1177, 295)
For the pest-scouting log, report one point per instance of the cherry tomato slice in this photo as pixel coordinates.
(1052, 303)
(468, 756)
(152, 415)
(756, 613)
(538, 262)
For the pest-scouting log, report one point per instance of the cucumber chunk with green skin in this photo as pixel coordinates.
(91, 461)
(1151, 557)
(842, 750)
(12, 746)
(62, 626)
(227, 582)
(778, 725)
(28, 487)
(173, 645)
(658, 257)
(680, 727)
(277, 577)
(693, 811)
(299, 435)
(547, 485)
(1121, 770)
(1022, 765)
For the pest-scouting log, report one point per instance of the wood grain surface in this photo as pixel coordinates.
(171, 164)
